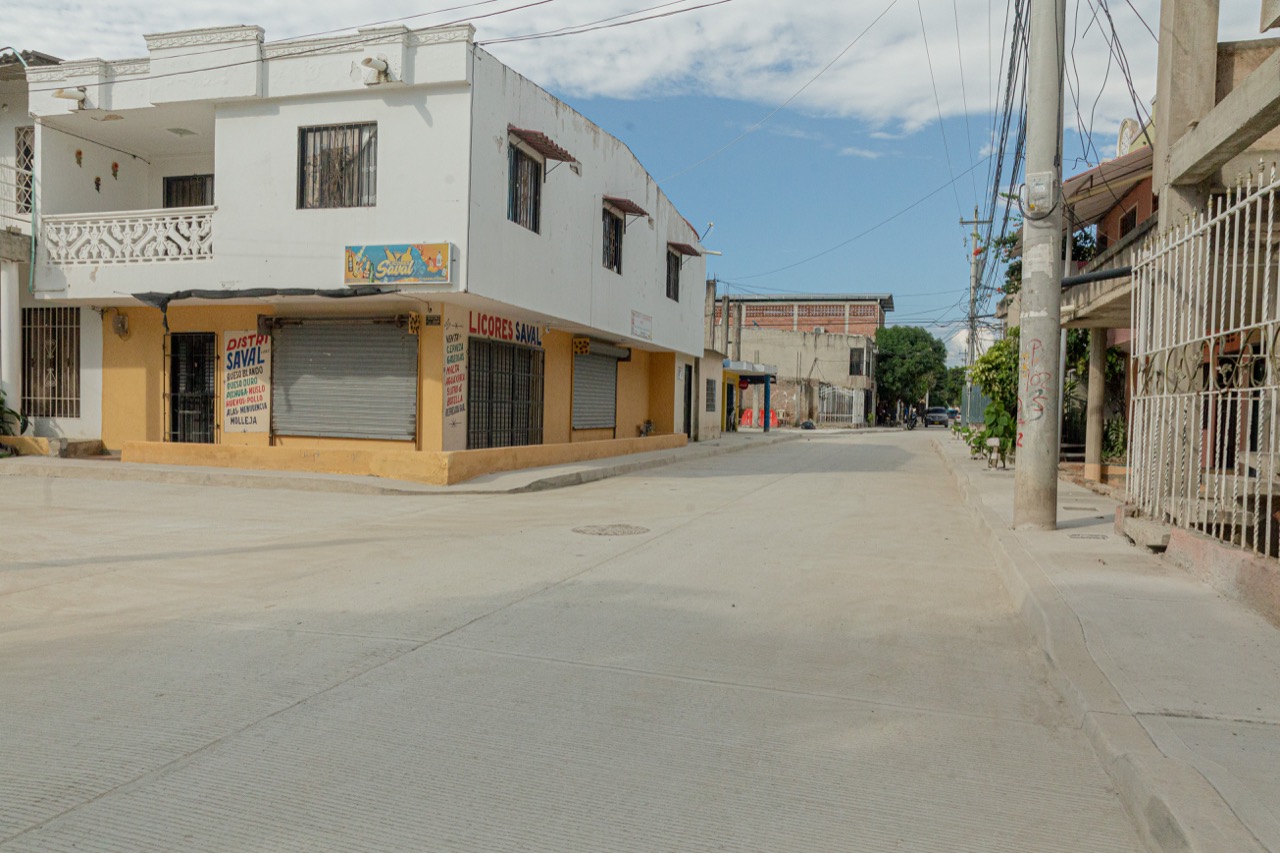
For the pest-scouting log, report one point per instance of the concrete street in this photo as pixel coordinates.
(803, 646)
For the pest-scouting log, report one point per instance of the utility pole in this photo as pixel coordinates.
(1035, 484)
(975, 276)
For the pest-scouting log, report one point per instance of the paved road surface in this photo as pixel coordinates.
(806, 650)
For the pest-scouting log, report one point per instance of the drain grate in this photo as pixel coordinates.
(1087, 535)
(611, 530)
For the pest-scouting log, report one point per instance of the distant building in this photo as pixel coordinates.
(823, 345)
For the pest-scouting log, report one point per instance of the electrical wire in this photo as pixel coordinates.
(589, 28)
(942, 126)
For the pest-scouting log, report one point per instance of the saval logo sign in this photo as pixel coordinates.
(400, 263)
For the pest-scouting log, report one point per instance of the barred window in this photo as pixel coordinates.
(504, 395)
(613, 231)
(188, 191)
(524, 189)
(338, 166)
(673, 275)
(711, 395)
(856, 362)
(25, 160)
(51, 362)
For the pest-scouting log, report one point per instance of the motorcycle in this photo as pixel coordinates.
(910, 421)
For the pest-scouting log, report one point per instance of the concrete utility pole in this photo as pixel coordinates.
(1035, 495)
(975, 276)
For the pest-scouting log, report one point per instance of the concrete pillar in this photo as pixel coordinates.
(1186, 89)
(768, 403)
(10, 334)
(1094, 421)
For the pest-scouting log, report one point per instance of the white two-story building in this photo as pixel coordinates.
(276, 253)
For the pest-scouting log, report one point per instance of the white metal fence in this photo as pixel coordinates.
(840, 405)
(1206, 349)
(15, 197)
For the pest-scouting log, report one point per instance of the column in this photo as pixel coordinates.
(1094, 421)
(10, 334)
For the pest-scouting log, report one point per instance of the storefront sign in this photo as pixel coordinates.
(501, 329)
(400, 263)
(246, 389)
(743, 384)
(641, 326)
(455, 375)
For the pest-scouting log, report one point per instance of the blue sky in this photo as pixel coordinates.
(858, 95)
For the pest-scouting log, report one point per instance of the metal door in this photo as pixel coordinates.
(193, 391)
(688, 401)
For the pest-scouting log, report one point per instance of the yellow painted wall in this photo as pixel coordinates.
(662, 392)
(313, 442)
(592, 435)
(557, 401)
(633, 395)
(431, 387)
(133, 368)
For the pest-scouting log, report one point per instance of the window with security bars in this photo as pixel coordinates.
(193, 393)
(524, 189)
(504, 395)
(188, 191)
(856, 362)
(673, 276)
(711, 395)
(614, 227)
(338, 166)
(51, 362)
(25, 160)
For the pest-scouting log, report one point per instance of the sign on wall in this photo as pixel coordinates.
(482, 325)
(641, 326)
(400, 263)
(246, 388)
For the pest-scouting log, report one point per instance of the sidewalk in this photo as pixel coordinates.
(506, 482)
(1177, 687)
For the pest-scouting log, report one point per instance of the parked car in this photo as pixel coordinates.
(954, 414)
(936, 416)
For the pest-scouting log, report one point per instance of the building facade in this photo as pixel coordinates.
(823, 348)
(383, 242)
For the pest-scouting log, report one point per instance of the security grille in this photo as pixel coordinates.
(188, 191)
(1204, 446)
(673, 276)
(711, 395)
(338, 166)
(51, 362)
(613, 230)
(193, 368)
(524, 189)
(504, 395)
(25, 160)
(856, 361)
(595, 391)
(344, 379)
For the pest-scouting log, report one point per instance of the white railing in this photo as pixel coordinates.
(1204, 446)
(134, 236)
(15, 197)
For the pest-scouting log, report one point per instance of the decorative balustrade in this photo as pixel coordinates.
(135, 236)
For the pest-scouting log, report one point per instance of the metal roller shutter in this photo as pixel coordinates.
(348, 380)
(595, 391)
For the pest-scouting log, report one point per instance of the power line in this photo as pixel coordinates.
(938, 102)
(753, 128)
(875, 227)
(964, 95)
(589, 28)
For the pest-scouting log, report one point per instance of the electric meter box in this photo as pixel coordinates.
(1042, 192)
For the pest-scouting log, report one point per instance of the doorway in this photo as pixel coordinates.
(193, 391)
(688, 401)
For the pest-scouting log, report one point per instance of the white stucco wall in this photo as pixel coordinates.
(560, 271)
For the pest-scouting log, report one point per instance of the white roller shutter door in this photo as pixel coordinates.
(595, 391)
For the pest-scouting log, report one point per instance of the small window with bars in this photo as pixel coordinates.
(51, 362)
(188, 191)
(673, 275)
(25, 160)
(857, 365)
(711, 395)
(614, 227)
(524, 189)
(338, 166)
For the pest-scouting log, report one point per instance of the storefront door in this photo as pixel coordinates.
(193, 392)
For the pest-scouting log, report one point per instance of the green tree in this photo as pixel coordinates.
(951, 389)
(910, 363)
(996, 373)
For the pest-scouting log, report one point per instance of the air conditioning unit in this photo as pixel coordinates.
(819, 330)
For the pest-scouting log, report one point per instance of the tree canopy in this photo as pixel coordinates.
(910, 363)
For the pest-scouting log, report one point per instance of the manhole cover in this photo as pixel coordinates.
(1087, 535)
(1082, 508)
(611, 530)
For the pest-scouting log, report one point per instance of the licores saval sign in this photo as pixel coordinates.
(400, 263)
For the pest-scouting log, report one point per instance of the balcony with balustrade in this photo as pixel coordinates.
(168, 235)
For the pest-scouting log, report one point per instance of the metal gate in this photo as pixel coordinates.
(839, 405)
(595, 391)
(348, 379)
(1206, 356)
(504, 395)
(193, 393)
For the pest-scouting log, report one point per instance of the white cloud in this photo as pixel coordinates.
(754, 50)
(865, 153)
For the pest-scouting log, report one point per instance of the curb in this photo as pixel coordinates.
(1173, 807)
(308, 482)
